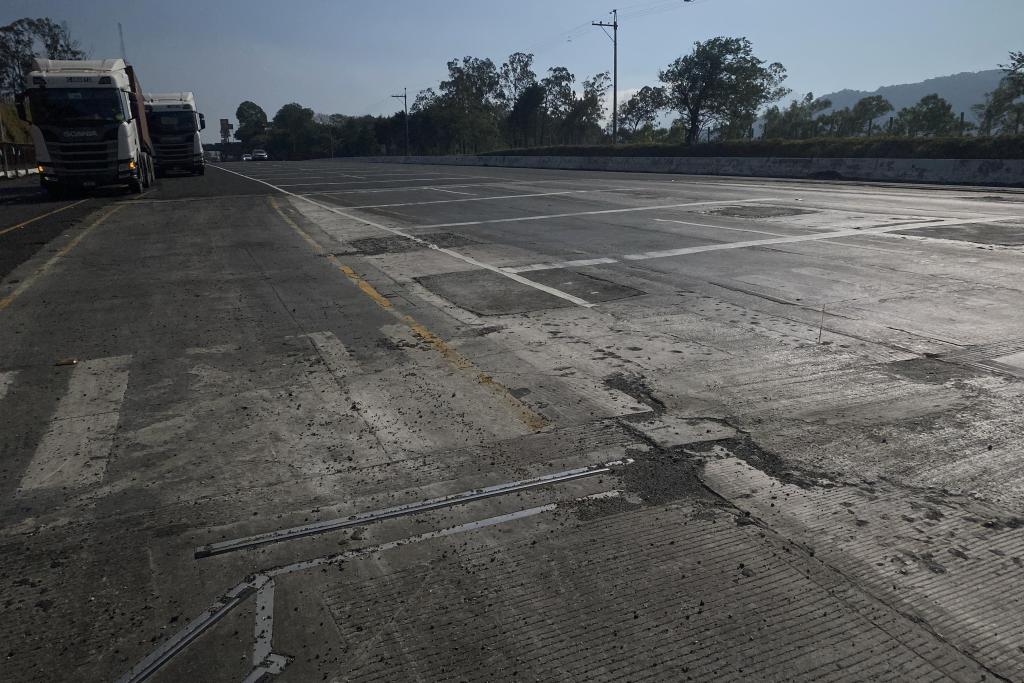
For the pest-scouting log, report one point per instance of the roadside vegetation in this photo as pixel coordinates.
(719, 99)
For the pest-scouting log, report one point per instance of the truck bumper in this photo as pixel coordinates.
(191, 164)
(120, 176)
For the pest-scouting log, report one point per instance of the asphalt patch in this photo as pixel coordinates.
(485, 292)
(754, 211)
(396, 244)
(930, 370)
(1002, 234)
(586, 287)
(660, 477)
(636, 387)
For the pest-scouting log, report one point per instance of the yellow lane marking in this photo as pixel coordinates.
(31, 279)
(362, 284)
(530, 418)
(48, 213)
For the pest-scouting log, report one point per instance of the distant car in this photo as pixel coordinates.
(246, 157)
(259, 155)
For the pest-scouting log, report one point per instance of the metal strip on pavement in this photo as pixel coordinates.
(183, 638)
(362, 518)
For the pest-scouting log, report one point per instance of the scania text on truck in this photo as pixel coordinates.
(174, 124)
(88, 124)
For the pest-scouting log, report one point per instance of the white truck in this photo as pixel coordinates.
(174, 124)
(88, 125)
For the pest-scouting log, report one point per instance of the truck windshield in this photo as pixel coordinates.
(84, 106)
(172, 121)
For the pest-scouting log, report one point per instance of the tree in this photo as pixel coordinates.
(469, 99)
(252, 122)
(23, 40)
(294, 131)
(721, 82)
(642, 109)
(516, 76)
(582, 123)
(931, 116)
(801, 119)
(526, 115)
(559, 97)
(864, 113)
(1003, 109)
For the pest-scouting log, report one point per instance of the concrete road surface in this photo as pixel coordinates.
(334, 420)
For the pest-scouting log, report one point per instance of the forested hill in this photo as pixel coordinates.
(962, 90)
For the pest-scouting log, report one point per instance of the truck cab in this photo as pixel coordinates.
(87, 124)
(174, 124)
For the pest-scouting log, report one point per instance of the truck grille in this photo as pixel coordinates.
(176, 151)
(83, 157)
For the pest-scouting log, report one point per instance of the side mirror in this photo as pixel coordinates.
(19, 103)
(202, 122)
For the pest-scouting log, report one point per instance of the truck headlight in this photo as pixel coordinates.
(131, 164)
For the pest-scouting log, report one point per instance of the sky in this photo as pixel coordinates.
(348, 57)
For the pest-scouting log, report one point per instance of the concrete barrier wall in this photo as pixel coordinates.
(947, 171)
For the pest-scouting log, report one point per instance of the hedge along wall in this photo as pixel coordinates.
(990, 172)
(880, 147)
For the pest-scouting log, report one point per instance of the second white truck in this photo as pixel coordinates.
(174, 124)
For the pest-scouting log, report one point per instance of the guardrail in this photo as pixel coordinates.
(16, 160)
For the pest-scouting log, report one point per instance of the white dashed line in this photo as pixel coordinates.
(632, 209)
(718, 227)
(363, 182)
(441, 189)
(488, 199)
(74, 450)
(788, 239)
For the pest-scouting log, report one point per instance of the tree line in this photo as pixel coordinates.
(719, 91)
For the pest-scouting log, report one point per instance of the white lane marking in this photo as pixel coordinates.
(6, 380)
(366, 176)
(364, 182)
(430, 245)
(421, 187)
(788, 239)
(334, 354)
(488, 199)
(74, 450)
(264, 662)
(632, 209)
(441, 189)
(719, 227)
(561, 264)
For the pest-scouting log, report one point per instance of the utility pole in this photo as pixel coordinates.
(405, 99)
(614, 26)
